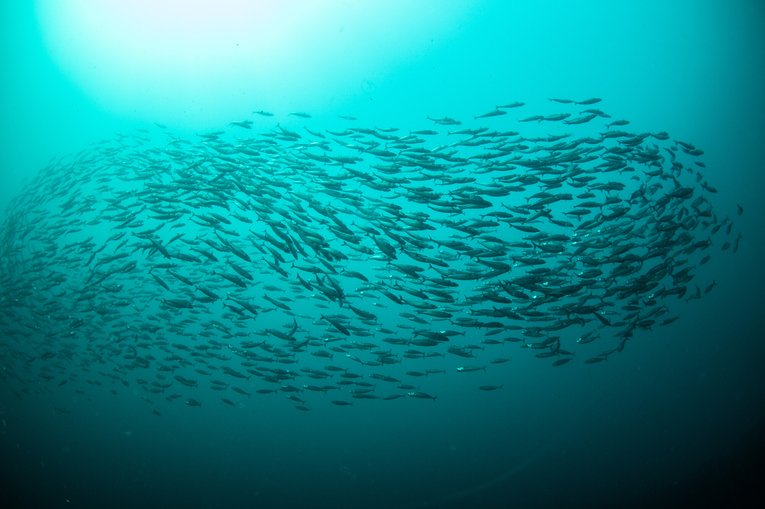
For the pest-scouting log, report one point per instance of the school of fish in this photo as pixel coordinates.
(327, 265)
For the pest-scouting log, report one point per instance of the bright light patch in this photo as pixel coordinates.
(202, 60)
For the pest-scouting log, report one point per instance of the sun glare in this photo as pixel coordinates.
(195, 58)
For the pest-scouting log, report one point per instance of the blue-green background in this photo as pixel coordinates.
(677, 417)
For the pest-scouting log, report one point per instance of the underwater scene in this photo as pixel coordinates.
(380, 254)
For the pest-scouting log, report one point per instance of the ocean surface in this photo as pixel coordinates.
(368, 254)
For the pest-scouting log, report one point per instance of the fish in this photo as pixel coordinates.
(338, 262)
(245, 124)
(496, 112)
(420, 395)
(445, 121)
(337, 324)
(617, 123)
(469, 369)
(186, 381)
(516, 104)
(178, 303)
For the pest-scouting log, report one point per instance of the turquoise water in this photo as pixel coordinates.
(140, 200)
